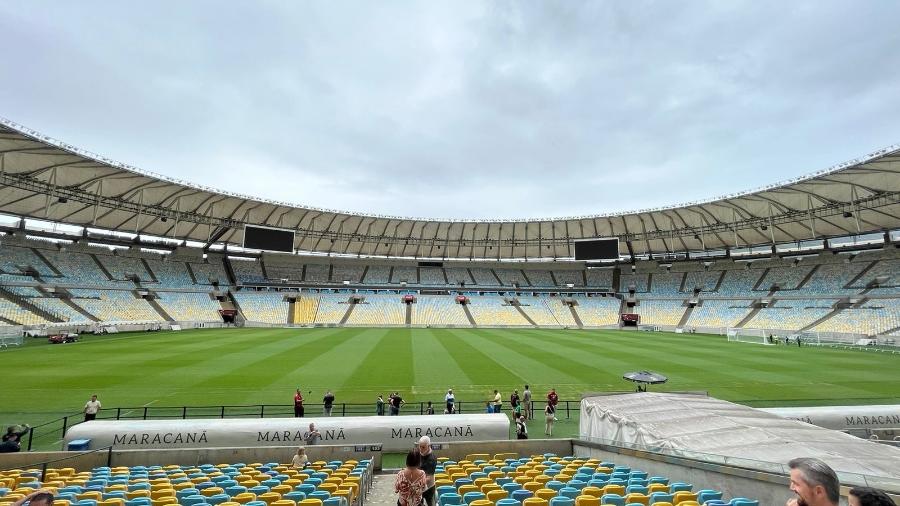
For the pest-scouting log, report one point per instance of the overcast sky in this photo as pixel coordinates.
(461, 109)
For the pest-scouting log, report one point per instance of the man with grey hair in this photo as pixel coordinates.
(814, 482)
(428, 464)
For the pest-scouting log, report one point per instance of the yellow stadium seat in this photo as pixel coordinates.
(269, 497)
(532, 486)
(109, 502)
(689, 503)
(465, 489)
(587, 500)
(481, 502)
(283, 502)
(545, 493)
(162, 492)
(310, 502)
(211, 491)
(681, 497)
(244, 497)
(489, 487)
(439, 483)
(134, 494)
(343, 492)
(479, 482)
(535, 501)
(90, 494)
(592, 491)
(637, 498)
(496, 495)
(542, 479)
(657, 487)
(281, 489)
(522, 480)
(328, 487)
(614, 489)
(351, 486)
(661, 504)
(163, 501)
(531, 473)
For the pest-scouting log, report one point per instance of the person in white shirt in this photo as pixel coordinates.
(451, 401)
(91, 408)
(300, 460)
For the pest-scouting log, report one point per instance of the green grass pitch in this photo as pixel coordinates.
(264, 366)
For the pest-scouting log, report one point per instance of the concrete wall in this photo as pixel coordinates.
(767, 488)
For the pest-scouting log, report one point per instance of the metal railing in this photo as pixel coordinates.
(47, 434)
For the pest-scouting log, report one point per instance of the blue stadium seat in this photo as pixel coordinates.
(450, 499)
(555, 485)
(192, 500)
(294, 495)
(218, 499)
(562, 501)
(569, 492)
(680, 487)
(743, 501)
(521, 495)
(319, 494)
(445, 489)
(511, 487)
(707, 495)
(468, 497)
(614, 499)
(508, 502)
(661, 497)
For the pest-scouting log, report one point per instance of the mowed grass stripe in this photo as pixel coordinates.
(387, 366)
(532, 362)
(484, 370)
(435, 371)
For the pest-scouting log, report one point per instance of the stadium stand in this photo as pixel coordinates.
(212, 270)
(493, 310)
(121, 267)
(459, 276)
(510, 277)
(332, 309)
(790, 314)
(278, 272)
(598, 311)
(538, 311)
(264, 307)
(600, 278)
(484, 277)
(660, 312)
(351, 273)
(719, 313)
(116, 306)
(377, 275)
(184, 306)
(639, 281)
(539, 278)
(549, 479)
(247, 271)
(667, 283)
(378, 310)
(432, 276)
(706, 281)
(321, 483)
(13, 313)
(317, 273)
(739, 280)
(305, 309)
(403, 274)
(438, 310)
(170, 273)
(565, 278)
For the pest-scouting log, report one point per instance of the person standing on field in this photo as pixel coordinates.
(528, 410)
(328, 402)
(298, 404)
(498, 402)
(553, 400)
(379, 405)
(549, 418)
(514, 403)
(91, 408)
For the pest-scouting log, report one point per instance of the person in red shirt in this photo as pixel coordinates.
(298, 404)
(553, 399)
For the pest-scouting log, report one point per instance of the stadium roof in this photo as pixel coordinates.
(47, 179)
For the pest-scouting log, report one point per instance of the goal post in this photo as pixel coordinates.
(752, 336)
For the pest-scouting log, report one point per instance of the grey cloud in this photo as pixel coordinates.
(491, 109)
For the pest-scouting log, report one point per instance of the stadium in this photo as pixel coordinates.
(167, 342)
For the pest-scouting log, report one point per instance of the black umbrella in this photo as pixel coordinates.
(645, 377)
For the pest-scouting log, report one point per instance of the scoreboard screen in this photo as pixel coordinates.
(597, 249)
(269, 239)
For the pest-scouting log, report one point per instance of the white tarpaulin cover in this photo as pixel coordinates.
(691, 425)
